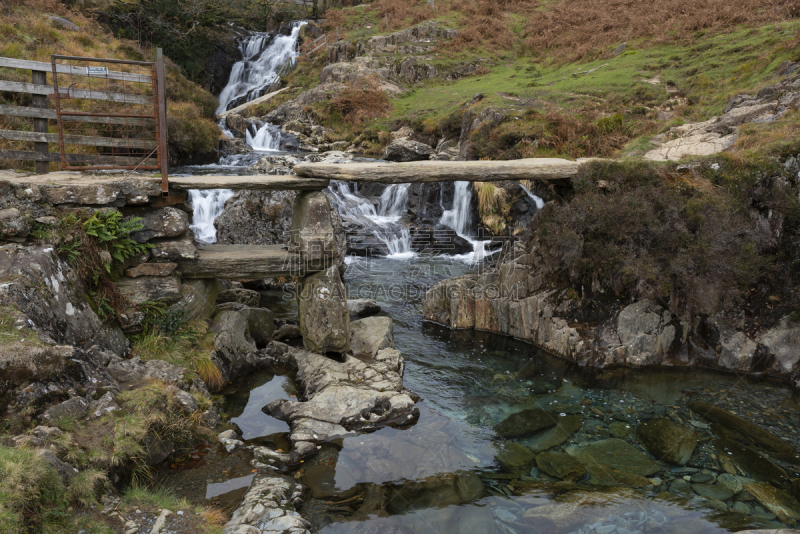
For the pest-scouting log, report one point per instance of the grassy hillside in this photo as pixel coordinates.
(27, 33)
(550, 64)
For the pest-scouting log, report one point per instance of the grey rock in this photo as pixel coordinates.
(198, 297)
(713, 491)
(64, 470)
(616, 454)
(313, 233)
(150, 288)
(48, 292)
(135, 370)
(162, 222)
(667, 440)
(173, 250)
(323, 314)
(371, 334)
(362, 307)
(74, 408)
(64, 23)
(233, 344)
(407, 150)
(256, 217)
(103, 406)
(783, 341)
(267, 503)
(645, 333)
(287, 331)
(187, 402)
(260, 324)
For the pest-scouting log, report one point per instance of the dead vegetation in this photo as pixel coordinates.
(360, 102)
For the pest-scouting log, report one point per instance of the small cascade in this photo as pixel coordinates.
(263, 57)
(383, 222)
(268, 137)
(207, 205)
(458, 218)
(536, 200)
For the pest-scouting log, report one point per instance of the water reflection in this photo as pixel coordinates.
(245, 398)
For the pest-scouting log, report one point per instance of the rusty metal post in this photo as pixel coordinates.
(163, 159)
(40, 125)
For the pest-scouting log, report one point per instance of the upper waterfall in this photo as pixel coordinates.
(263, 56)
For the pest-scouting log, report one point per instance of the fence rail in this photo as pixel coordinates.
(120, 104)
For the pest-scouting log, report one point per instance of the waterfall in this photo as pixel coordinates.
(536, 200)
(207, 205)
(262, 59)
(383, 222)
(458, 218)
(268, 137)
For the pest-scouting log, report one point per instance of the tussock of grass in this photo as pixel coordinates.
(493, 207)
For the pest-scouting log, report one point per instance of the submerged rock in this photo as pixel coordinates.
(565, 429)
(514, 457)
(667, 440)
(526, 422)
(750, 462)
(560, 465)
(776, 501)
(615, 454)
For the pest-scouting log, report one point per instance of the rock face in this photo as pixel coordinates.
(342, 396)
(719, 133)
(323, 314)
(407, 150)
(645, 333)
(256, 218)
(51, 296)
(667, 440)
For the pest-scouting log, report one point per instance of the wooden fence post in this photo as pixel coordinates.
(40, 125)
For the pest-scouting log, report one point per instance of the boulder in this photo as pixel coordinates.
(233, 344)
(162, 222)
(565, 429)
(248, 297)
(237, 125)
(269, 503)
(369, 335)
(407, 150)
(667, 440)
(323, 314)
(260, 324)
(526, 422)
(134, 371)
(362, 307)
(287, 331)
(48, 292)
(775, 500)
(64, 470)
(783, 341)
(749, 462)
(74, 408)
(150, 288)
(174, 250)
(560, 465)
(615, 454)
(514, 457)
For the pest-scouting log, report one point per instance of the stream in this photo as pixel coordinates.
(467, 465)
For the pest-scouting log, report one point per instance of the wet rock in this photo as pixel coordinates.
(323, 314)
(526, 422)
(160, 223)
(514, 457)
(268, 504)
(620, 430)
(371, 334)
(248, 297)
(564, 430)
(150, 288)
(615, 454)
(362, 307)
(731, 482)
(749, 430)
(560, 465)
(667, 440)
(713, 491)
(230, 440)
(776, 501)
(407, 150)
(750, 462)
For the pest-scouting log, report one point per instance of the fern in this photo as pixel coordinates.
(113, 232)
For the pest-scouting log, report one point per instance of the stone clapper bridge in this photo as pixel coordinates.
(310, 257)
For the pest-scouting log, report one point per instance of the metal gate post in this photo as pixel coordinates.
(163, 159)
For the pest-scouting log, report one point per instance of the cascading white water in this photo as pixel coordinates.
(383, 222)
(536, 200)
(259, 67)
(458, 218)
(207, 205)
(268, 137)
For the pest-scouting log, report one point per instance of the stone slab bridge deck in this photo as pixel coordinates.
(251, 262)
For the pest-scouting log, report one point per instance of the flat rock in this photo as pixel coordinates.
(616, 454)
(248, 182)
(776, 501)
(150, 288)
(565, 429)
(526, 422)
(161, 223)
(234, 262)
(560, 465)
(513, 456)
(436, 171)
(247, 297)
(151, 269)
(174, 250)
(750, 462)
(713, 491)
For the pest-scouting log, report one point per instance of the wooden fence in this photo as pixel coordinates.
(105, 119)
